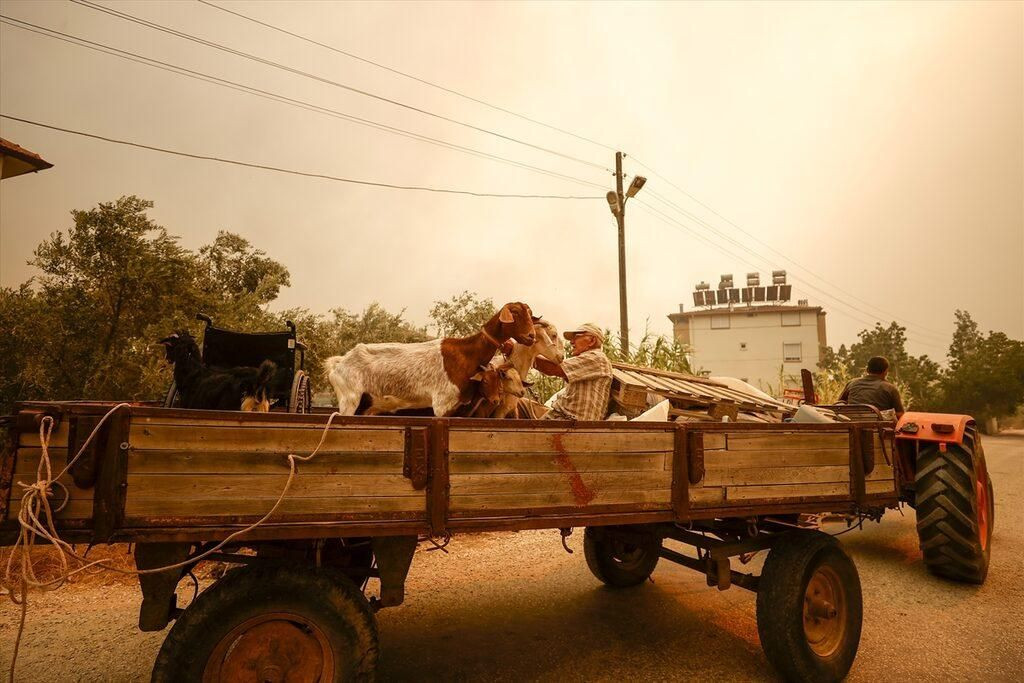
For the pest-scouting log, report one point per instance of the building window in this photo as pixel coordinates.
(719, 322)
(792, 352)
(743, 346)
(791, 319)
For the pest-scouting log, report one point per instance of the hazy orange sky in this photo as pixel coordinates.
(879, 146)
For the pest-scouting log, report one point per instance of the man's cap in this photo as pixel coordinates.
(585, 328)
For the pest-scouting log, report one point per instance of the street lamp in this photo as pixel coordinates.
(617, 205)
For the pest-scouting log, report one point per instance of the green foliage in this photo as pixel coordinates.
(986, 373)
(652, 351)
(917, 377)
(462, 315)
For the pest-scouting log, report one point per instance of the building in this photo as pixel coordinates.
(16, 160)
(753, 334)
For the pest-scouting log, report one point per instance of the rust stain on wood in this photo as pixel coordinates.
(580, 491)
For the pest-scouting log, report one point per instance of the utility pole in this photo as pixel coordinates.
(620, 216)
(617, 204)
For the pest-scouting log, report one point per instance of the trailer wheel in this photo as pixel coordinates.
(619, 563)
(955, 509)
(273, 624)
(809, 608)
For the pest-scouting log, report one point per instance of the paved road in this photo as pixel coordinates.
(516, 607)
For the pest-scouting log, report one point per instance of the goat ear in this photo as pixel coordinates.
(505, 315)
(535, 318)
(478, 377)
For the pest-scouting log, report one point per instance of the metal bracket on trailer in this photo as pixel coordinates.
(716, 564)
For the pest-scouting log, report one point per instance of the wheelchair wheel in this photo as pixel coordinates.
(301, 399)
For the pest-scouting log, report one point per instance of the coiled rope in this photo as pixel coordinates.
(36, 521)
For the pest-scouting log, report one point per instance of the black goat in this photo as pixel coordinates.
(199, 386)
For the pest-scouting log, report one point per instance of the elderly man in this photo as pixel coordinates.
(588, 373)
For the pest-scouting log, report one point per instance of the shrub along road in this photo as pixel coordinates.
(517, 607)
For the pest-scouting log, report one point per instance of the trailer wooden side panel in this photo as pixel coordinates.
(237, 470)
(544, 471)
(753, 467)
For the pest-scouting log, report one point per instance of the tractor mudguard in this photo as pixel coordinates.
(932, 427)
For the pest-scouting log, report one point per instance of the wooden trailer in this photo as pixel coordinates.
(176, 482)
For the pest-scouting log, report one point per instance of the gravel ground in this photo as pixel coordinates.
(516, 607)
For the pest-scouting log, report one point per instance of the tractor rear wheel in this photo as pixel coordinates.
(955, 509)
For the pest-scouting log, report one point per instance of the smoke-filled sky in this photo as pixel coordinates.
(873, 150)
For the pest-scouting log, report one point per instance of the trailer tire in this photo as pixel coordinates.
(617, 563)
(955, 509)
(809, 608)
(273, 623)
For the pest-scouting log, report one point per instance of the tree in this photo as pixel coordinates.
(111, 285)
(101, 286)
(986, 373)
(462, 315)
(916, 377)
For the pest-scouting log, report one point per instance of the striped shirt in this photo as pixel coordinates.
(590, 385)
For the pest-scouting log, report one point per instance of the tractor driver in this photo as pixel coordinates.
(873, 389)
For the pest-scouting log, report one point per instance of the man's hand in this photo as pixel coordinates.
(549, 367)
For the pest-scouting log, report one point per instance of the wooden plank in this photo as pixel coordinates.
(77, 508)
(267, 486)
(58, 437)
(713, 442)
(545, 441)
(777, 458)
(244, 462)
(880, 487)
(882, 472)
(741, 476)
(28, 460)
(706, 496)
(784, 491)
(660, 497)
(472, 484)
(221, 507)
(786, 441)
(299, 440)
(499, 463)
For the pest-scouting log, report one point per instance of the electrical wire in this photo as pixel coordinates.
(853, 312)
(404, 74)
(306, 74)
(789, 259)
(274, 97)
(277, 169)
(806, 283)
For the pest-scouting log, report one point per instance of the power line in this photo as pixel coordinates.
(404, 74)
(276, 169)
(852, 313)
(202, 41)
(806, 283)
(272, 96)
(784, 256)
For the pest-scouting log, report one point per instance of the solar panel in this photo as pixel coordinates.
(748, 294)
(709, 298)
(723, 296)
(785, 292)
(759, 293)
(734, 295)
(698, 298)
(772, 293)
